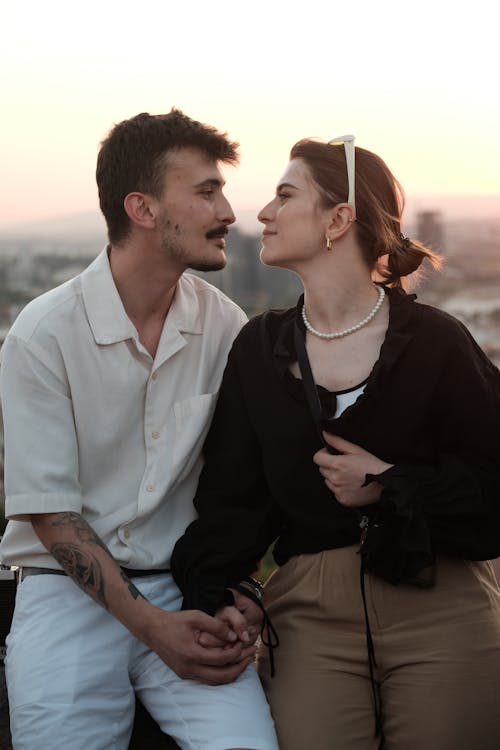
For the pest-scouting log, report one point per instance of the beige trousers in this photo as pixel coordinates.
(437, 653)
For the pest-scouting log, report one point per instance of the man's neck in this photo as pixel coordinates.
(146, 288)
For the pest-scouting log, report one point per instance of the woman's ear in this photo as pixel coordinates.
(341, 218)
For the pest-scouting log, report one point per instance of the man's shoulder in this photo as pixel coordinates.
(203, 288)
(209, 296)
(53, 311)
(44, 311)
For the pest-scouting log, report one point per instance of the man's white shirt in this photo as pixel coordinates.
(93, 424)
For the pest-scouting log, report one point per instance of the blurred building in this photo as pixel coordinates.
(430, 230)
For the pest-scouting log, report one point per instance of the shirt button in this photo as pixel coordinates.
(150, 488)
(155, 435)
(154, 376)
(126, 533)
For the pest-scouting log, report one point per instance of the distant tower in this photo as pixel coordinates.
(430, 230)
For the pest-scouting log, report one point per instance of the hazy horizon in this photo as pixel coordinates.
(451, 208)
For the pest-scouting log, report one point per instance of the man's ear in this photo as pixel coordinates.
(141, 210)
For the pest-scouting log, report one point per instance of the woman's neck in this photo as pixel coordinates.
(333, 305)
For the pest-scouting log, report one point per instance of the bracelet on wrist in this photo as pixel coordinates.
(253, 587)
(255, 582)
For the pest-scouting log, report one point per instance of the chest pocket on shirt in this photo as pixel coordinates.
(192, 420)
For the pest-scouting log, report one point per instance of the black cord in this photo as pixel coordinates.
(372, 663)
(271, 641)
(316, 411)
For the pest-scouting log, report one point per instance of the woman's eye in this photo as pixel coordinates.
(283, 196)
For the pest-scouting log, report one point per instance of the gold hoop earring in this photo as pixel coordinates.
(329, 244)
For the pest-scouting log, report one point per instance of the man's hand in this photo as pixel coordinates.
(345, 473)
(176, 638)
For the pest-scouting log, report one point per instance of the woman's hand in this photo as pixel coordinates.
(345, 473)
(244, 618)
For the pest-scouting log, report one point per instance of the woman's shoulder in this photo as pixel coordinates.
(266, 324)
(452, 339)
(437, 316)
(437, 335)
(427, 318)
(442, 324)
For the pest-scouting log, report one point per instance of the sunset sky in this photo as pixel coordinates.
(415, 82)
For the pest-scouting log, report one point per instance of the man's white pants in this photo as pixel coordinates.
(72, 670)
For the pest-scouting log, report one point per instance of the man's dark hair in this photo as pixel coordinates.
(134, 157)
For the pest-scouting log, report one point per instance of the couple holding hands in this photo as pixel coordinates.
(358, 433)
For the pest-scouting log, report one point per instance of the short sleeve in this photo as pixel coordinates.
(41, 450)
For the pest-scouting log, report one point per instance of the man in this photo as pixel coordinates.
(108, 384)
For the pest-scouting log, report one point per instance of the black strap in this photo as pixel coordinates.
(316, 411)
(309, 384)
(307, 377)
(372, 664)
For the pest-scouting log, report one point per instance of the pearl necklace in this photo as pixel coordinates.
(351, 329)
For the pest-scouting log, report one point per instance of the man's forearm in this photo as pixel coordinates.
(174, 636)
(86, 559)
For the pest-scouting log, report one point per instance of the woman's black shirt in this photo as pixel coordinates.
(431, 407)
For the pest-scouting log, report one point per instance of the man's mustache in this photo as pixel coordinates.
(217, 232)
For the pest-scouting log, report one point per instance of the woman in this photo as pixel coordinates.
(361, 431)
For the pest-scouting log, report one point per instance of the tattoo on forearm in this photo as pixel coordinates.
(83, 568)
(83, 531)
(134, 591)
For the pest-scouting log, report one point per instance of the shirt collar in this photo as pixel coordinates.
(107, 317)
(184, 313)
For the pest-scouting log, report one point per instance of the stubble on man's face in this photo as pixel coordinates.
(173, 244)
